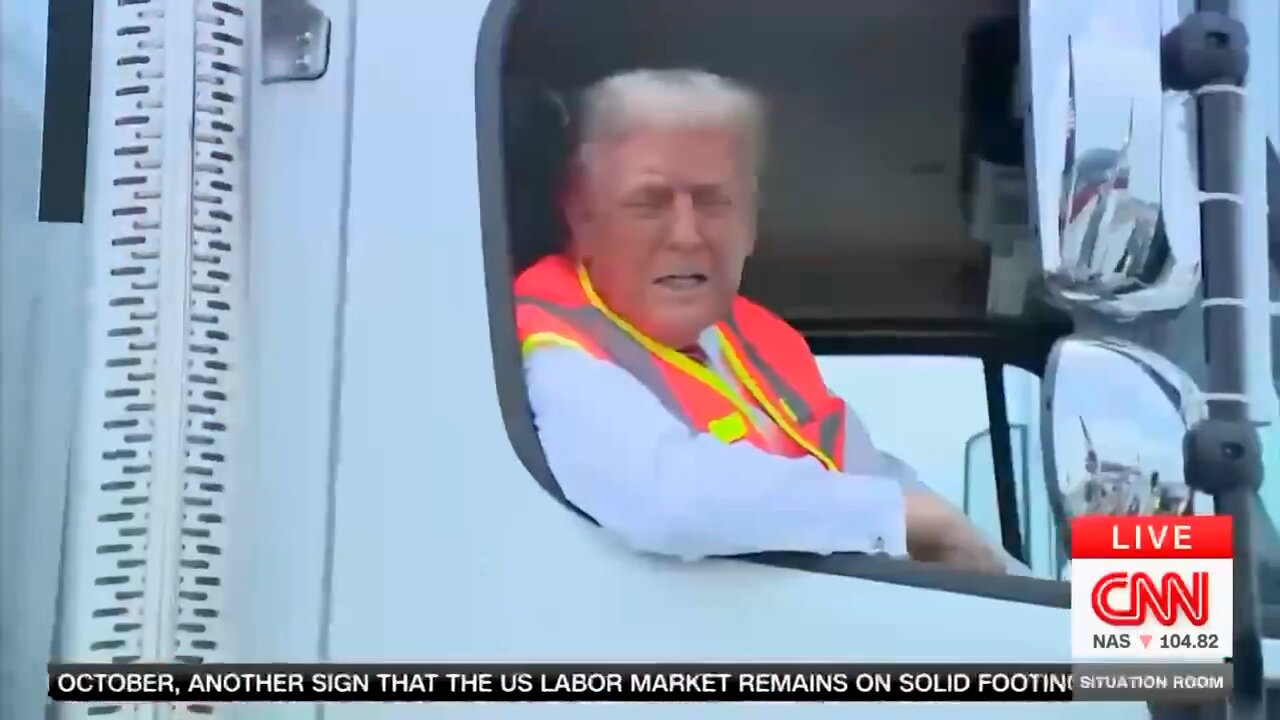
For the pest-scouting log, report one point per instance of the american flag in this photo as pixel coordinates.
(1071, 103)
(1069, 209)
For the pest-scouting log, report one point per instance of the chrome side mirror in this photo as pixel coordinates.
(1113, 418)
(1115, 178)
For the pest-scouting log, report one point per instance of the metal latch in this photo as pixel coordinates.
(295, 41)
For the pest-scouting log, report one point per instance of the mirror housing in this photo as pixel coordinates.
(1116, 177)
(1113, 419)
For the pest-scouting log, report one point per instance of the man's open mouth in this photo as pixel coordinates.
(685, 281)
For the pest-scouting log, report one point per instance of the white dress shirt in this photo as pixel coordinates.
(620, 456)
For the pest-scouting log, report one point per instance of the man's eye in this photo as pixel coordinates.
(711, 197)
(649, 200)
(713, 201)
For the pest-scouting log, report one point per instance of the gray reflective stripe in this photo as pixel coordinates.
(621, 348)
(792, 399)
(829, 433)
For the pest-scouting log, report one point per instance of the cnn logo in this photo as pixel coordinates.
(1151, 587)
(1129, 599)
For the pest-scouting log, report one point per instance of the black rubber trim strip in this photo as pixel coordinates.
(1022, 344)
(499, 272)
(1002, 460)
(1012, 588)
(67, 83)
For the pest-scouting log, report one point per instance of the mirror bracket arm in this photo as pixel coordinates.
(1222, 453)
(1223, 458)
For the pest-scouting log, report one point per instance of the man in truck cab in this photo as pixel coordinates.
(681, 416)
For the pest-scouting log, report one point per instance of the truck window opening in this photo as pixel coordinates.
(860, 188)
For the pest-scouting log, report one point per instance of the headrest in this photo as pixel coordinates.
(538, 133)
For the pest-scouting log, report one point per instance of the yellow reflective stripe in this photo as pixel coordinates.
(745, 377)
(729, 428)
(787, 409)
(539, 339)
(675, 357)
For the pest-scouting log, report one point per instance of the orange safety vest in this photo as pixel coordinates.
(556, 304)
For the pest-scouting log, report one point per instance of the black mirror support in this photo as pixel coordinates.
(1222, 457)
(1207, 54)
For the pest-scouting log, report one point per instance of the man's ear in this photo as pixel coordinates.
(572, 201)
(575, 211)
(753, 223)
(753, 215)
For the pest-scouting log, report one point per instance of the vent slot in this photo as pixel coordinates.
(127, 480)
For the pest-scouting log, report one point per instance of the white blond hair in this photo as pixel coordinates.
(642, 99)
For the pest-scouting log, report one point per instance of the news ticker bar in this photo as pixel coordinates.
(639, 682)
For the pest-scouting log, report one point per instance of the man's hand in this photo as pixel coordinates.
(938, 533)
(975, 556)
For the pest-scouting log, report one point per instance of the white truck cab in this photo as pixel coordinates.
(260, 398)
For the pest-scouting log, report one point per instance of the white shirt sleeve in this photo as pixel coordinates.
(625, 460)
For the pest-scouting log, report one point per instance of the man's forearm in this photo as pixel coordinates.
(937, 532)
(931, 525)
(664, 489)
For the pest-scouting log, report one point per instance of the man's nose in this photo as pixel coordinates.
(684, 222)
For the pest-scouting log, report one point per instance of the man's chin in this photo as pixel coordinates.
(678, 332)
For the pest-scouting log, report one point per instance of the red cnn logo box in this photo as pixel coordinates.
(1151, 588)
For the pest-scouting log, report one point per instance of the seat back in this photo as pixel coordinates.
(538, 134)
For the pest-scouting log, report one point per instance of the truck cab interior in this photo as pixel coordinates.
(878, 110)
(868, 135)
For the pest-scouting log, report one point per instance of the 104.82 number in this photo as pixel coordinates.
(1202, 641)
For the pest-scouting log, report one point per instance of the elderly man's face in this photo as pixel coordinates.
(664, 220)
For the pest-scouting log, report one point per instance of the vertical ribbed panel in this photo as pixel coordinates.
(216, 303)
(109, 532)
(143, 577)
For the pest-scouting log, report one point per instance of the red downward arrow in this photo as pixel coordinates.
(1146, 640)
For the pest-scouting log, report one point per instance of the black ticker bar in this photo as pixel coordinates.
(578, 682)
(639, 682)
